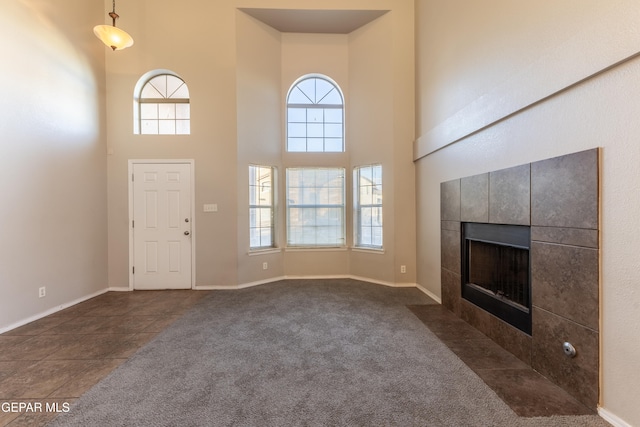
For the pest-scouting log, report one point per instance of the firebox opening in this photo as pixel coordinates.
(496, 272)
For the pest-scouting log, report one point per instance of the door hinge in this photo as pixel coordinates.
(134, 270)
(132, 177)
(133, 224)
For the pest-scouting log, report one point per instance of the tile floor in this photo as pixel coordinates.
(54, 360)
(527, 393)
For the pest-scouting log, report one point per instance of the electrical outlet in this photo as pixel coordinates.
(265, 265)
(42, 292)
(403, 269)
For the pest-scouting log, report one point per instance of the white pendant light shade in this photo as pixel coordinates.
(113, 37)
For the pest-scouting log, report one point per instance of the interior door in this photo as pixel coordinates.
(162, 226)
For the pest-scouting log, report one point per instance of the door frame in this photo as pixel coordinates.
(191, 163)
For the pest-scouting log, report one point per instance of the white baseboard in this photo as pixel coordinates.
(430, 294)
(382, 282)
(319, 277)
(612, 419)
(239, 286)
(50, 311)
(216, 288)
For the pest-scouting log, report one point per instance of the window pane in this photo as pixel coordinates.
(181, 93)
(260, 218)
(266, 239)
(377, 175)
(183, 111)
(368, 206)
(333, 131)
(297, 144)
(149, 127)
(315, 115)
(149, 111)
(334, 145)
(298, 97)
(314, 223)
(183, 127)
(312, 92)
(366, 198)
(315, 145)
(167, 111)
(309, 196)
(167, 127)
(173, 85)
(332, 98)
(160, 82)
(254, 237)
(297, 130)
(163, 87)
(314, 130)
(376, 238)
(149, 91)
(323, 88)
(308, 88)
(333, 115)
(297, 115)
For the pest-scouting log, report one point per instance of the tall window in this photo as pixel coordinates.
(315, 116)
(315, 207)
(163, 106)
(261, 207)
(368, 206)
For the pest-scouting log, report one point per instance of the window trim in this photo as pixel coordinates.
(272, 206)
(357, 210)
(312, 105)
(342, 206)
(138, 101)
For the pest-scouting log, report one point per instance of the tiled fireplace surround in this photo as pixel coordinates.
(558, 198)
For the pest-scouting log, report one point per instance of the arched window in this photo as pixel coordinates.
(315, 116)
(162, 105)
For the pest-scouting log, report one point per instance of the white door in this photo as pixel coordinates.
(161, 226)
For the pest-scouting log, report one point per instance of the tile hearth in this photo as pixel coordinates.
(525, 391)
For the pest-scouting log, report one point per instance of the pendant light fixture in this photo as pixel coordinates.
(112, 36)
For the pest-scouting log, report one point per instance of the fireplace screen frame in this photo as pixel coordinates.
(515, 236)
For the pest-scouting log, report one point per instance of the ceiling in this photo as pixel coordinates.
(314, 21)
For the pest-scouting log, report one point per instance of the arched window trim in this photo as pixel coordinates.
(316, 104)
(138, 100)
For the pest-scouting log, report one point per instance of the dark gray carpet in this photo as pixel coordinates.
(299, 353)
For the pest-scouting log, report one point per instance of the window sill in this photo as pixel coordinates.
(376, 251)
(267, 251)
(316, 249)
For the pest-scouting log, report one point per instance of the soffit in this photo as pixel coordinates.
(314, 21)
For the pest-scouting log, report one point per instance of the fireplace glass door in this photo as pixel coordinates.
(501, 271)
(496, 271)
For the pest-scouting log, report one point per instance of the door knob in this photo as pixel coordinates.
(186, 233)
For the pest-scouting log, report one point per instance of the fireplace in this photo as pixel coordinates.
(496, 273)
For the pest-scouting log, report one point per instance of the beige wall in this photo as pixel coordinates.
(259, 132)
(381, 131)
(196, 40)
(53, 173)
(238, 76)
(477, 68)
(326, 54)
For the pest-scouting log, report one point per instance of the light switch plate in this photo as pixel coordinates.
(212, 207)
